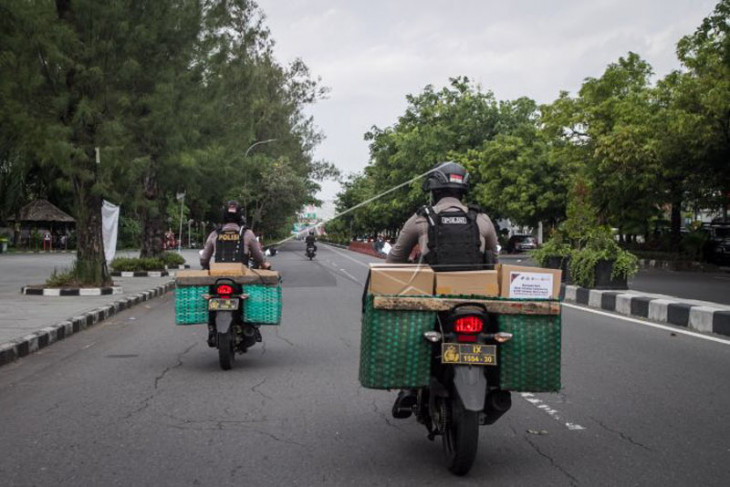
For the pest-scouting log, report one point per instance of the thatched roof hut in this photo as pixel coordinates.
(42, 211)
(41, 216)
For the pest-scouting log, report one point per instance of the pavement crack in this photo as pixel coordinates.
(377, 410)
(255, 389)
(622, 435)
(178, 364)
(276, 438)
(145, 404)
(148, 400)
(52, 408)
(573, 480)
(276, 332)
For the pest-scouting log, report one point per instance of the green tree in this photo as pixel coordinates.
(706, 99)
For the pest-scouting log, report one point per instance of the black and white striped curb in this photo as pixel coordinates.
(15, 349)
(697, 317)
(149, 273)
(139, 273)
(93, 291)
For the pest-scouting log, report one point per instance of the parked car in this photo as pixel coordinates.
(520, 243)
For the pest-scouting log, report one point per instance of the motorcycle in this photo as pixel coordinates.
(227, 330)
(311, 252)
(463, 393)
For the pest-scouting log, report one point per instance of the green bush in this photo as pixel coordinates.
(555, 247)
(599, 244)
(173, 259)
(65, 278)
(130, 230)
(126, 264)
(693, 244)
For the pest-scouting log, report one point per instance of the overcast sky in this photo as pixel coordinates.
(372, 53)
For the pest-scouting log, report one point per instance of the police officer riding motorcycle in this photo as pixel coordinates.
(453, 237)
(230, 243)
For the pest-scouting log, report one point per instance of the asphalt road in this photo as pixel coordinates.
(137, 400)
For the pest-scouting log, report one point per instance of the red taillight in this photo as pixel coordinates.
(224, 289)
(468, 324)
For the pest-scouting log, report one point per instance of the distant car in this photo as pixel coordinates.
(520, 243)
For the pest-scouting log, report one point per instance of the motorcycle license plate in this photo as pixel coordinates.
(218, 304)
(468, 354)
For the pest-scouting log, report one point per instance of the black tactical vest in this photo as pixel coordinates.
(229, 245)
(453, 240)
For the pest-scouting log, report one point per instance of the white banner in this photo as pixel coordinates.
(109, 229)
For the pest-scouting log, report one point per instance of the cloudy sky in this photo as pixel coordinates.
(372, 53)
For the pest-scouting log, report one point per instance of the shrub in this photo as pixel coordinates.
(130, 231)
(173, 259)
(555, 247)
(64, 278)
(693, 244)
(599, 244)
(126, 264)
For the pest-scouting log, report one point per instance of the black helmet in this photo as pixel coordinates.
(311, 232)
(232, 213)
(447, 175)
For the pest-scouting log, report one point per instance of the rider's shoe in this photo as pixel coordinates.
(211, 337)
(403, 406)
(257, 334)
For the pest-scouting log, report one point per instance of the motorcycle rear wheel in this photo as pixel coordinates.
(226, 353)
(461, 437)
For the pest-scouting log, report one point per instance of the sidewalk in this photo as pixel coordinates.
(29, 323)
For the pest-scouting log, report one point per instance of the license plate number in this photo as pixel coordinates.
(468, 354)
(217, 304)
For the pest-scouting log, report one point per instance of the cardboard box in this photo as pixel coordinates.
(529, 282)
(480, 283)
(191, 273)
(402, 280)
(228, 269)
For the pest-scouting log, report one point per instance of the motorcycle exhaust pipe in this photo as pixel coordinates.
(497, 403)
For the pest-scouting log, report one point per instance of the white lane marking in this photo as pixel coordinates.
(338, 252)
(349, 275)
(648, 323)
(553, 413)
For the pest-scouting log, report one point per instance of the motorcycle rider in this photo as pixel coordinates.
(310, 241)
(232, 242)
(451, 236)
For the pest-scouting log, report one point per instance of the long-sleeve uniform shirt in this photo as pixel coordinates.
(415, 231)
(250, 246)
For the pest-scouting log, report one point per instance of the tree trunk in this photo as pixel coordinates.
(91, 267)
(151, 214)
(676, 221)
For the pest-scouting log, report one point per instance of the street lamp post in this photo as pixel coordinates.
(181, 198)
(257, 143)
